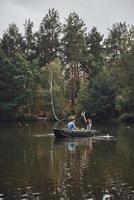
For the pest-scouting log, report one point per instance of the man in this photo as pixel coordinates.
(71, 124)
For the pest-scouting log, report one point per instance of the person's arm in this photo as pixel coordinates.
(74, 126)
(83, 114)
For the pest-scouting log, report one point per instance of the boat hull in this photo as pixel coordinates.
(63, 133)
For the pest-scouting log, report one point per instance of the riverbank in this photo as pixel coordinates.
(124, 118)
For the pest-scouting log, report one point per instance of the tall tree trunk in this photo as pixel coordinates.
(73, 85)
(51, 92)
(74, 82)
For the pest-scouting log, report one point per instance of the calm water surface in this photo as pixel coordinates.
(34, 165)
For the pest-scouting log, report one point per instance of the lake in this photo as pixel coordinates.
(34, 165)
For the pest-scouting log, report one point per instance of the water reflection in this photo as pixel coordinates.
(27, 194)
(34, 163)
(77, 167)
(72, 146)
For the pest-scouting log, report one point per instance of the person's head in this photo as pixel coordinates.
(89, 120)
(72, 118)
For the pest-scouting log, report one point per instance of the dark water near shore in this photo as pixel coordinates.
(33, 165)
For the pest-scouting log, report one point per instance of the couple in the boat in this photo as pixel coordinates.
(71, 125)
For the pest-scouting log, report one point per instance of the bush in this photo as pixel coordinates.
(127, 117)
(7, 116)
(26, 118)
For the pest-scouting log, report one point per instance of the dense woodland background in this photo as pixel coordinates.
(63, 69)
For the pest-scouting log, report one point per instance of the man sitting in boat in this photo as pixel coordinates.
(71, 124)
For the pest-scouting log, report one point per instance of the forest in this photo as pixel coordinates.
(64, 69)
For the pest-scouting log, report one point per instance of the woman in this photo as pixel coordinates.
(88, 121)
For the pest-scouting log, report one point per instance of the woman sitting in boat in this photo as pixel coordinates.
(71, 124)
(88, 121)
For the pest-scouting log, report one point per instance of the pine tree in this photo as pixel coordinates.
(31, 49)
(92, 61)
(12, 41)
(117, 41)
(48, 40)
(73, 43)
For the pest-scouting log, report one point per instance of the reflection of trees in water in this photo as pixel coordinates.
(117, 189)
(87, 174)
(65, 171)
(65, 174)
(80, 160)
(27, 194)
(71, 166)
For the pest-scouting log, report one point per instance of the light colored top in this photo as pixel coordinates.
(89, 126)
(71, 126)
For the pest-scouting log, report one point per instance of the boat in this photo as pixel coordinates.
(64, 133)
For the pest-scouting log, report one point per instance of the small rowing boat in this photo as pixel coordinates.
(63, 133)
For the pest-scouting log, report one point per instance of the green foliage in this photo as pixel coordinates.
(30, 41)
(73, 39)
(98, 97)
(94, 42)
(16, 82)
(48, 39)
(126, 73)
(92, 59)
(94, 75)
(73, 44)
(117, 42)
(12, 41)
(57, 87)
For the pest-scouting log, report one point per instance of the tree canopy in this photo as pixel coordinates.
(65, 68)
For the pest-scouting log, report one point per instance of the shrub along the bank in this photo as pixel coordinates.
(127, 117)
